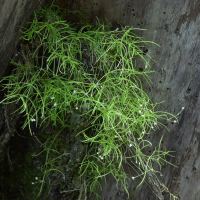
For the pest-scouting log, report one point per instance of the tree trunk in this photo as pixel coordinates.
(13, 16)
(174, 25)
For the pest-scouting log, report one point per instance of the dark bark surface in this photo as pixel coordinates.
(13, 16)
(174, 25)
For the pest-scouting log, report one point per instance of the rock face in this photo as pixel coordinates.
(174, 25)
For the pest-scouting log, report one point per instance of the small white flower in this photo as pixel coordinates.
(161, 175)
(130, 145)
(55, 104)
(33, 120)
(143, 115)
(74, 91)
(183, 108)
(33, 183)
(36, 178)
(141, 105)
(140, 111)
(155, 124)
(52, 97)
(101, 157)
(133, 177)
(143, 132)
(175, 121)
(76, 108)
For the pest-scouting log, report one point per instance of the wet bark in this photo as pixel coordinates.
(174, 25)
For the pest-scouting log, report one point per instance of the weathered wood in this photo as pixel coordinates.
(174, 25)
(13, 16)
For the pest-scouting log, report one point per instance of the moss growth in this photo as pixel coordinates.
(19, 172)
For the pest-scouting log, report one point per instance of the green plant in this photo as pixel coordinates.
(50, 163)
(87, 80)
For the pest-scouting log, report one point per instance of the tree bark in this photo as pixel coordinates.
(174, 25)
(13, 16)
